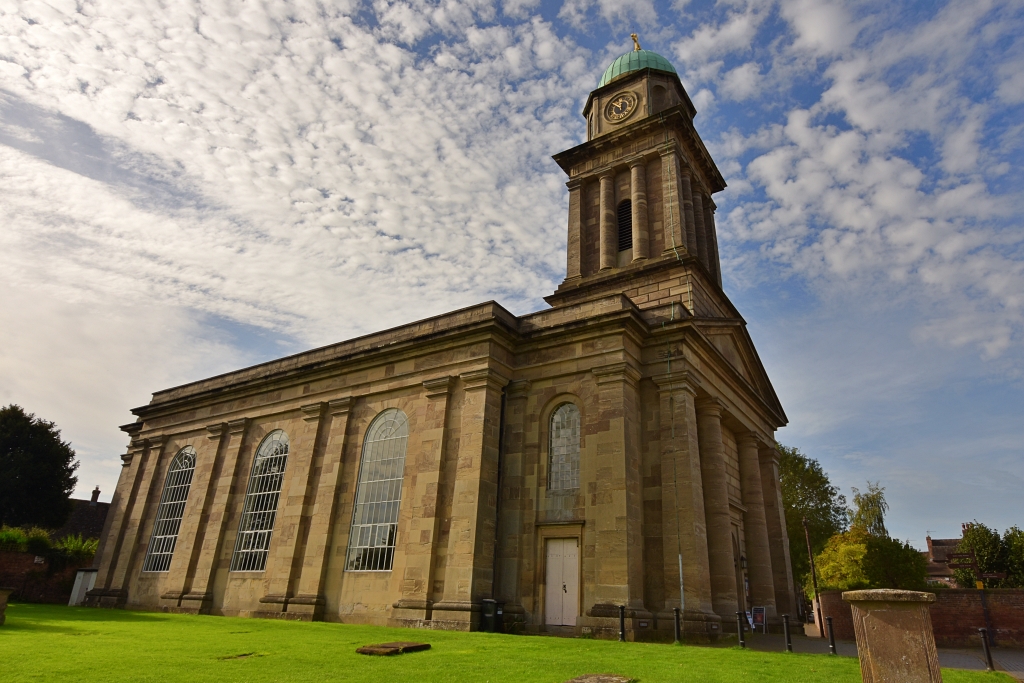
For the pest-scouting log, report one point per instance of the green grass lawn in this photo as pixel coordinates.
(46, 642)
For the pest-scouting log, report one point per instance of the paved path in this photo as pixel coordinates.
(1009, 661)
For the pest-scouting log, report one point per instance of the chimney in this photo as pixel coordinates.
(95, 496)
(928, 540)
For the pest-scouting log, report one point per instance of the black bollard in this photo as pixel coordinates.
(988, 652)
(739, 628)
(622, 623)
(785, 629)
(831, 637)
(679, 630)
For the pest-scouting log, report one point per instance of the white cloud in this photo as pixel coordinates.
(743, 82)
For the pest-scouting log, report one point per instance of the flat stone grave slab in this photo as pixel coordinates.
(601, 678)
(384, 649)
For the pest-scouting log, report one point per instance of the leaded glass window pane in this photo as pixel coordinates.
(564, 466)
(170, 511)
(371, 544)
(260, 508)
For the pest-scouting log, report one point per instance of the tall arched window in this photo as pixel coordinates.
(170, 511)
(564, 465)
(625, 216)
(260, 507)
(371, 541)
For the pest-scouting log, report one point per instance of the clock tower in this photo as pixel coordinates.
(641, 214)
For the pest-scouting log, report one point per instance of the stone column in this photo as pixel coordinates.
(759, 560)
(573, 247)
(638, 199)
(608, 225)
(684, 535)
(616, 496)
(672, 210)
(778, 538)
(895, 641)
(199, 597)
(469, 574)
(709, 227)
(309, 597)
(510, 522)
(716, 510)
(134, 536)
(691, 230)
(698, 222)
(285, 557)
(197, 510)
(423, 536)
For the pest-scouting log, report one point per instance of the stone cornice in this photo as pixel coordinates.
(439, 387)
(616, 372)
(132, 429)
(482, 379)
(215, 431)
(340, 406)
(237, 427)
(678, 380)
(312, 411)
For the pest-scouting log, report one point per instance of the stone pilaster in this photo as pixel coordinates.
(716, 511)
(685, 182)
(197, 510)
(122, 504)
(608, 224)
(308, 601)
(469, 573)
(134, 538)
(759, 560)
(712, 233)
(614, 507)
(698, 227)
(684, 533)
(573, 247)
(672, 207)
(423, 537)
(284, 556)
(511, 546)
(638, 199)
(199, 596)
(778, 538)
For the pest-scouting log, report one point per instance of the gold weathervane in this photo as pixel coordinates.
(636, 42)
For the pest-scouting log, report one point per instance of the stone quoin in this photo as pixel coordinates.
(615, 449)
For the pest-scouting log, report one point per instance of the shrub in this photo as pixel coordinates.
(77, 548)
(38, 541)
(12, 539)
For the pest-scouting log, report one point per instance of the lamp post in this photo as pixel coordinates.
(814, 581)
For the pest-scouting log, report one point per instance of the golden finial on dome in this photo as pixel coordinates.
(636, 42)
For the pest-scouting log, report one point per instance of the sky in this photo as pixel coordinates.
(190, 187)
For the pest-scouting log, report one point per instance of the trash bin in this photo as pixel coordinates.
(488, 613)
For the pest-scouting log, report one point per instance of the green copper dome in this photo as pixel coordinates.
(635, 61)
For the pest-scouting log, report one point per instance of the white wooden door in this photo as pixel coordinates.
(561, 603)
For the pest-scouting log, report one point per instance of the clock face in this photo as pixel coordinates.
(620, 106)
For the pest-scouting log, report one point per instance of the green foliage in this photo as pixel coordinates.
(37, 541)
(869, 510)
(989, 550)
(1013, 549)
(77, 548)
(840, 563)
(808, 493)
(888, 563)
(12, 538)
(36, 471)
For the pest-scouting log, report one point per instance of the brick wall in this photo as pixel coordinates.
(957, 615)
(34, 582)
(833, 605)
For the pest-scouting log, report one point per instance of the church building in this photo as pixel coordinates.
(615, 449)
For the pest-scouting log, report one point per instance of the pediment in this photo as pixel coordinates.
(737, 349)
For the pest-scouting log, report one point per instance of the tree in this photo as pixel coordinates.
(989, 550)
(808, 493)
(840, 564)
(869, 510)
(889, 563)
(37, 471)
(1013, 550)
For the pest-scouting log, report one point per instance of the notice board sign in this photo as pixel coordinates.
(758, 618)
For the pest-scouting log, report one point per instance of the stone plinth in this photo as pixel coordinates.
(4, 592)
(894, 636)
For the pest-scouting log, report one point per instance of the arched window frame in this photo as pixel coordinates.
(259, 510)
(624, 216)
(564, 445)
(374, 529)
(170, 511)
